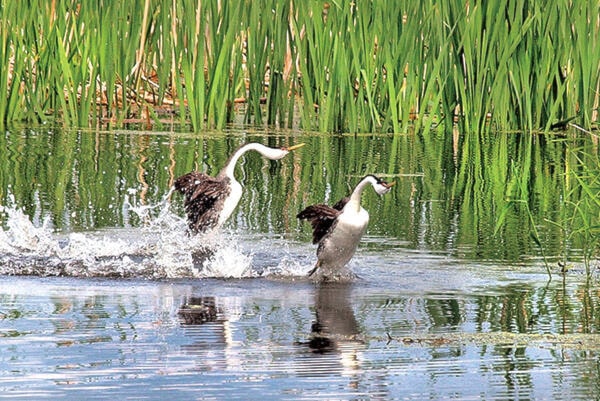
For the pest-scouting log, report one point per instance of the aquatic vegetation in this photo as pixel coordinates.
(580, 219)
(480, 199)
(333, 67)
(571, 207)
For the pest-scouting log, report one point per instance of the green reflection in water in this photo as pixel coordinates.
(451, 192)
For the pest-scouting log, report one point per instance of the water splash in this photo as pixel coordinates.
(160, 248)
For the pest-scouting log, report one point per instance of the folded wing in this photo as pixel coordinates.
(203, 199)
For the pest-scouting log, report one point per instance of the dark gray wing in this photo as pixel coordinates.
(203, 199)
(321, 218)
(341, 203)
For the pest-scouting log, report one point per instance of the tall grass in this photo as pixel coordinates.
(372, 66)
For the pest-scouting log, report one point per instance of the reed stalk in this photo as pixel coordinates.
(371, 66)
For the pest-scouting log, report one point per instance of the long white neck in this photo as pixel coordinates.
(354, 201)
(270, 153)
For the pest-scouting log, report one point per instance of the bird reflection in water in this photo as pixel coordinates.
(198, 310)
(335, 325)
(223, 337)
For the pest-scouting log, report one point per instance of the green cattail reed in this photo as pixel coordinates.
(368, 66)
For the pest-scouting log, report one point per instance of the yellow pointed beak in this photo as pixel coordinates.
(295, 147)
(390, 184)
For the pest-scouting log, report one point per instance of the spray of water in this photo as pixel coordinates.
(160, 248)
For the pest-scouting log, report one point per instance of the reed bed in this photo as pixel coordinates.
(369, 66)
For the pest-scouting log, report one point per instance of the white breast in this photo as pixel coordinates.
(231, 202)
(337, 249)
(355, 218)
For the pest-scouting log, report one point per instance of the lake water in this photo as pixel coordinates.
(101, 297)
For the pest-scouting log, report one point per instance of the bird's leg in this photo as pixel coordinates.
(314, 269)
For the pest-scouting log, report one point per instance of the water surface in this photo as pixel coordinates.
(101, 297)
(291, 339)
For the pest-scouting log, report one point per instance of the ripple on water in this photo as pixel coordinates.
(264, 339)
(410, 326)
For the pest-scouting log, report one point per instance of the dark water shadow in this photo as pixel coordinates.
(335, 321)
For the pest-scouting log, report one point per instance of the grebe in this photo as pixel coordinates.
(338, 229)
(210, 201)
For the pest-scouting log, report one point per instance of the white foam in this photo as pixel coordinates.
(160, 248)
